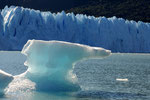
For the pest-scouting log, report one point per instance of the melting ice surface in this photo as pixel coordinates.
(50, 63)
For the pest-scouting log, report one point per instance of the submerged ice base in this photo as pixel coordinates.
(50, 63)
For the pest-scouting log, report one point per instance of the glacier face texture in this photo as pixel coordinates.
(17, 25)
(51, 63)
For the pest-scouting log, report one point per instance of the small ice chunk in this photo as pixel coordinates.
(123, 80)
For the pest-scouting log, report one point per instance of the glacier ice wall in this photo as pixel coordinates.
(17, 25)
(50, 63)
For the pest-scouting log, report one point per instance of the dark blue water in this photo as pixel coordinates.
(118, 77)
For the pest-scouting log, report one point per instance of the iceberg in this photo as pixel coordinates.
(51, 63)
(18, 25)
(5, 79)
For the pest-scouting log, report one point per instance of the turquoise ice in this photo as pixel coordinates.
(50, 63)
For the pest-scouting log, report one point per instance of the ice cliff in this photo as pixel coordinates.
(18, 25)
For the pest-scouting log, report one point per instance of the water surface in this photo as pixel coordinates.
(119, 76)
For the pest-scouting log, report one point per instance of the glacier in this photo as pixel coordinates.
(51, 63)
(18, 25)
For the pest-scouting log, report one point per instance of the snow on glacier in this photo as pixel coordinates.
(50, 63)
(18, 25)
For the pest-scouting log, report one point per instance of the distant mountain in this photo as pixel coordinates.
(138, 10)
(44, 5)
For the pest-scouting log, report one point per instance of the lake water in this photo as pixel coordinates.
(117, 77)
